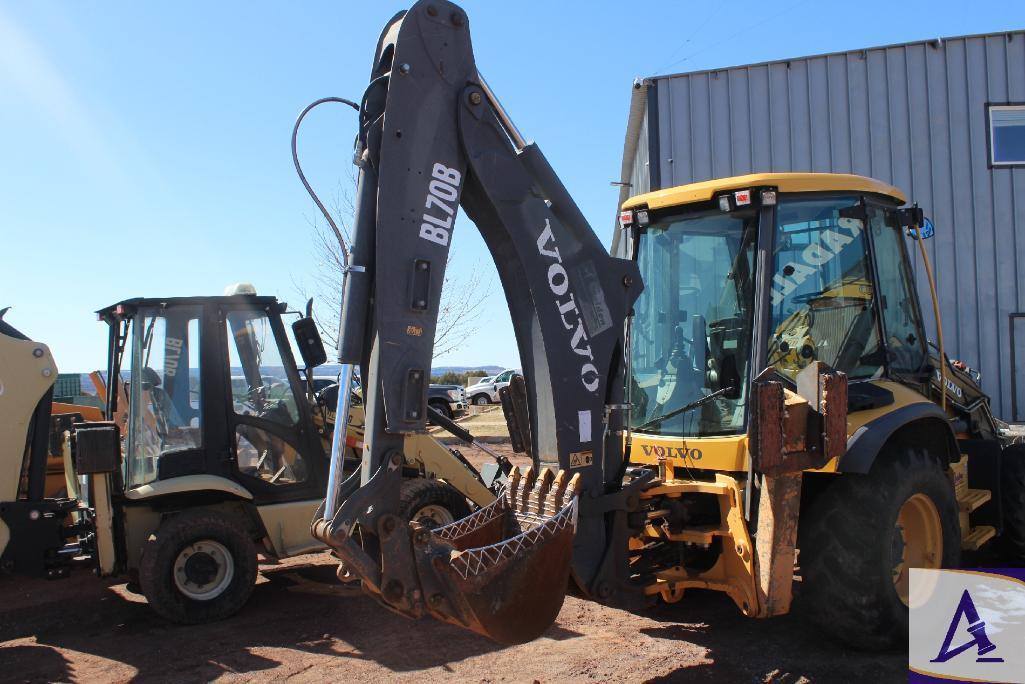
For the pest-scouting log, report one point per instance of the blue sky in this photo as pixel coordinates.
(144, 147)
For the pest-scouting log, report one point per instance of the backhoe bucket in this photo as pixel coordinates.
(503, 571)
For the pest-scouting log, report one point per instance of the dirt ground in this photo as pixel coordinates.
(301, 625)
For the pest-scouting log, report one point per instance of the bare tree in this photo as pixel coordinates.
(462, 296)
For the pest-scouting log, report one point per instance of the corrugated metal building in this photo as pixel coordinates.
(921, 116)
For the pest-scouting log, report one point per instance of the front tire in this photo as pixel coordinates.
(1012, 499)
(481, 400)
(862, 535)
(432, 503)
(199, 567)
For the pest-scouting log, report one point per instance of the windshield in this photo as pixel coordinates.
(821, 296)
(164, 412)
(691, 333)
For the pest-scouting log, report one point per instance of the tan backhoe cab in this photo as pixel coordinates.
(216, 452)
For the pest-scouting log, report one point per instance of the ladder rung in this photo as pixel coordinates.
(977, 537)
(973, 498)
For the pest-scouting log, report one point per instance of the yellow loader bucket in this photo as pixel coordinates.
(505, 568)
(502, 571)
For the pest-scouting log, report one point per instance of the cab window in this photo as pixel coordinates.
(261, 393)
(821, 289)
(259, 383)
(165, 415)
(691, 337)
(905, 343)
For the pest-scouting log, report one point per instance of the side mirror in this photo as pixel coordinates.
(307, 338)
(923, 231)
(927, 230)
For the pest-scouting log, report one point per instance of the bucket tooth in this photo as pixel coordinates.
(562, 480)
(527, 485)
(539, 494)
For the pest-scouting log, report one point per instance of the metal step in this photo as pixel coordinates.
(971, 499)
(977, 537)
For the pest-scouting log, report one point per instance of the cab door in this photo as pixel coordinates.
(904, 338)
(268, 416)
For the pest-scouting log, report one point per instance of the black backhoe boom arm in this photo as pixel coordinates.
(434, 138)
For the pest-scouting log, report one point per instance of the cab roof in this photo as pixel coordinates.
(260, 301)
(783, 182)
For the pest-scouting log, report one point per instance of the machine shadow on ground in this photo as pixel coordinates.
(777, 649)
(298, 608)
(300, 618)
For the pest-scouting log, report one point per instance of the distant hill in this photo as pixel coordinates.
(483, 370)
(333, 369)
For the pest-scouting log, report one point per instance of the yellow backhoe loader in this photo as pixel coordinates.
(220, 453)
(745, 390)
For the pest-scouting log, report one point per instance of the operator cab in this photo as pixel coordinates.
(212, 388)
(838, 288)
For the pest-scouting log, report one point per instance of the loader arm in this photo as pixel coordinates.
(434, 138)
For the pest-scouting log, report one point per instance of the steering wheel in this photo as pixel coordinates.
(255, 398)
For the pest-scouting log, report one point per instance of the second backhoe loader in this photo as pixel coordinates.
(216, 452)
(771, 393)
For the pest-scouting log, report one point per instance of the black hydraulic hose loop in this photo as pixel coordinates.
(364, 113)
(366, 117)
(302, 176)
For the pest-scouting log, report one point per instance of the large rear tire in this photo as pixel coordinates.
(862, 535)
(199, 567)
(1012, 499)
(432, 503)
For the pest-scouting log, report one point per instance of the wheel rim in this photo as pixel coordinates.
(917, 541)
(433, 516)
(203, 570)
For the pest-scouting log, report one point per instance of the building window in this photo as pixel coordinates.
(1006, 134)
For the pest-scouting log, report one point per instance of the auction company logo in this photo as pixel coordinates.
(967, 625)
(976, 627)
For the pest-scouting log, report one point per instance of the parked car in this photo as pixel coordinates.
(448, 400)
(486, 391)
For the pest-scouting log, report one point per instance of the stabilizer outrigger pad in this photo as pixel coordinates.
(502, 571)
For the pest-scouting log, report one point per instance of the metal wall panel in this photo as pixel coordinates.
(913, 115)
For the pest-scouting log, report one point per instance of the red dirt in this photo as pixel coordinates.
(300, 624)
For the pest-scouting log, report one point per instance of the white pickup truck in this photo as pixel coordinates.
(486, 391)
